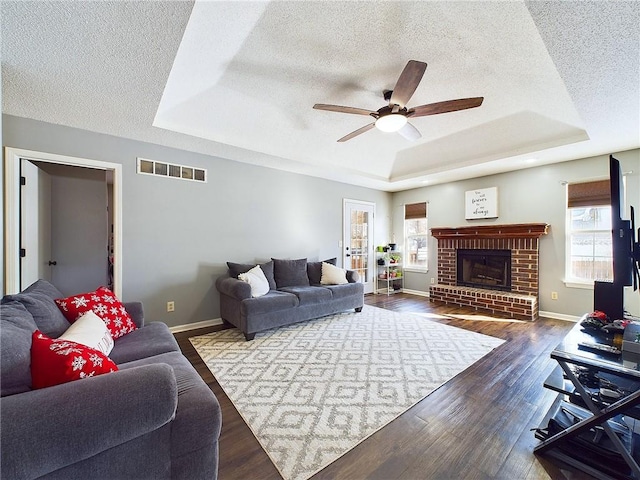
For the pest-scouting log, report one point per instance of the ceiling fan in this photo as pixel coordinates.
(394, 116)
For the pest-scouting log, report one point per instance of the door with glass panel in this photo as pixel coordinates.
(358, 251)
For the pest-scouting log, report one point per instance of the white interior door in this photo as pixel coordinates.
(35, 225)
(358, 241)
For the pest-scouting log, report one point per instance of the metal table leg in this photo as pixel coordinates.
(600, 417)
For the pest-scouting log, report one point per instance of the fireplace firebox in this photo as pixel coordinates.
(489, 269)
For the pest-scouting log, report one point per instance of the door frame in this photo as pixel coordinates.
(12, 158)
(371, 248)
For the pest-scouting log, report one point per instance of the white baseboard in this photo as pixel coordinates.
(419, 293)
(193, 326)
(559, 316)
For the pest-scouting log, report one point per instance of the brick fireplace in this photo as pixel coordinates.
(521, 301)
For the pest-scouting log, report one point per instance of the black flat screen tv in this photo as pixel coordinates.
(608, 297)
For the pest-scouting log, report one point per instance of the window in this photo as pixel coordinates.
(589, 250)
(415, 235)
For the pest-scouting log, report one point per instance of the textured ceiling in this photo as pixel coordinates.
(561, 80)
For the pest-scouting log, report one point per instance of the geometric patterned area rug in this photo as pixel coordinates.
(312, 391)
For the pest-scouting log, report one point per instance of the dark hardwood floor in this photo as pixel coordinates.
(476, 426)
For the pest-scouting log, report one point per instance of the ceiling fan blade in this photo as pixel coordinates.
(407, 82)
(341, 109)
(444, 107)
(410, 132)
(357, 132)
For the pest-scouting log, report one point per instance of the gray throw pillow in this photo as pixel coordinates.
(44, 311)
(16, 327)
(236, 269)
(44, 287)
(290, 273)
(314, 270)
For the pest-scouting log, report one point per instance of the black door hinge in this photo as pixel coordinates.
(23, 181)
(23, 252)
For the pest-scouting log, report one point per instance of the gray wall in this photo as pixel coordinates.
(534, 195)
(177, 235)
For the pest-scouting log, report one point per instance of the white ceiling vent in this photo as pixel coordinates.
(170, 170)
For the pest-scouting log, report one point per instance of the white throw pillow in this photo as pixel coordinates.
(90, 330)
(332, 275)
(259, 283)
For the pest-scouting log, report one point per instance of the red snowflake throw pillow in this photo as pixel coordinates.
(104, 304)
(56, 361)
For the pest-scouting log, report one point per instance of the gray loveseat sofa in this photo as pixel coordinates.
(295, 294)
(154, 418)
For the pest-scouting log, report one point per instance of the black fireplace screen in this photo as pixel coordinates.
(489, 269)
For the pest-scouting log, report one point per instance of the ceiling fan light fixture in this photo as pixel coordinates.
(391, 122)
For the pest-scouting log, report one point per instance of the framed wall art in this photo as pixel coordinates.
(482, 203)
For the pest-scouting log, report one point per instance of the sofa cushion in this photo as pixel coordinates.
(154, 338)
(46, 314)
(346, 290)
(16, 327)
(236, 269)
(314, 270)
(91, 331)
(309, 295)
(55, 361)
(332, 275)
(256, 279)
(271, 302)
(105, 304)
(290, 273)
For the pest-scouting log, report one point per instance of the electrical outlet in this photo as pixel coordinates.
(171, 306)
(433, 281)
(554, 295)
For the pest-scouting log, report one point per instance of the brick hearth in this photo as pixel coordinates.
(523, 241)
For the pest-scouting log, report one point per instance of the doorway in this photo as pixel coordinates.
(13, 241)
(358, 240)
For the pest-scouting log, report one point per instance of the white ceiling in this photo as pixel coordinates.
(561, 80)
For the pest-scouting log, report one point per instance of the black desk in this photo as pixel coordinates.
(624, 368)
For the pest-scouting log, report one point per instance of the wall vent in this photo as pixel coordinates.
(171, 170)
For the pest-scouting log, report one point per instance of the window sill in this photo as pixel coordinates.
(586, 285)
(416, 270)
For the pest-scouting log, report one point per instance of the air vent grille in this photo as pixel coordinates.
(171, 170)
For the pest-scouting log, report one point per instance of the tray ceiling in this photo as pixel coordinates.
(238, 80)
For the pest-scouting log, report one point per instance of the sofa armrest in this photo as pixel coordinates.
(47, 429)
(136, 312)
(233, 287)
(352, 276)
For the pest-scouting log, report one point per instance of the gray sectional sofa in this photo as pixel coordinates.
(154, 418)
(295, 294)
